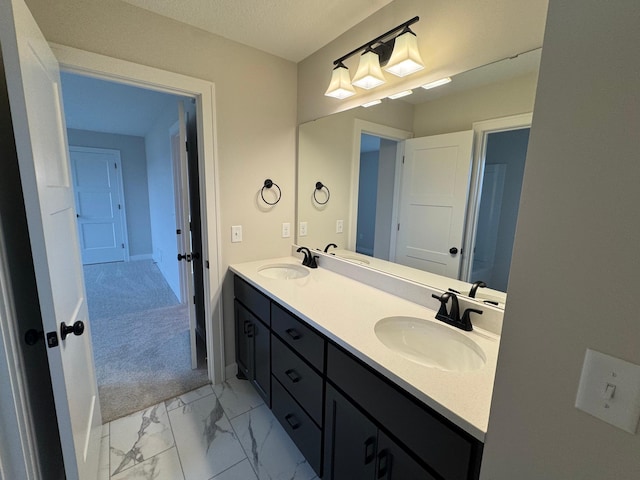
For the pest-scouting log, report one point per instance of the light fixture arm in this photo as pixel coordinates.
(400, 28)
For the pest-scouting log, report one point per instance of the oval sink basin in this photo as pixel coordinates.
(431, 344)
(283, 271)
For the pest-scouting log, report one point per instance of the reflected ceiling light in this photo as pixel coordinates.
(437, 83)
(405, 58)
(397, 49)
(400, 94)
(369, 74)
(340, 84)
(372, 103)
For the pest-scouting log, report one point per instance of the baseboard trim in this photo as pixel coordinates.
(144, 256)
(230, 371)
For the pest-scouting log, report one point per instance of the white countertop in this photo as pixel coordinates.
(346, 311)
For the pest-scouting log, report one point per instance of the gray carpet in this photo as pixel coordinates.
(140, 336)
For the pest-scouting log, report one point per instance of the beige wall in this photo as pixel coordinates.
(458, 112)
(255, 110)
(574, 276)
(453, 37)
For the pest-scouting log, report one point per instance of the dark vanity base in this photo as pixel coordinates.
(349, 421)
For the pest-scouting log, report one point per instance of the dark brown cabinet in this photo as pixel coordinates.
(348, 420)
(354, 447)
(253, 351)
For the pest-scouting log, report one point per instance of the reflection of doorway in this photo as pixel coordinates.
(146, 366)
(498, 212)
(375, 195)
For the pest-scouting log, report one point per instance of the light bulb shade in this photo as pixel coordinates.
(369, 74)
(405, 58)
(340, 84)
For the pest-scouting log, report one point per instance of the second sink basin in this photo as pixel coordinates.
(431, 344)
(283, 271)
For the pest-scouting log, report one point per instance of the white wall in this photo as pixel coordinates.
(255, 112)
(134, 179)
(574, 275)
(162, 206)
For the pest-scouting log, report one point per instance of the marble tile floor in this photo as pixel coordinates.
(221, 432)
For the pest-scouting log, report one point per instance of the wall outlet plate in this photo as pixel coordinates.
(302, 229)
(286, 230)
(339, 226)
(609, 389)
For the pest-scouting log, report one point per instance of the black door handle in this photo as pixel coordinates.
(77, 329)
(453, 250)
(186, 257)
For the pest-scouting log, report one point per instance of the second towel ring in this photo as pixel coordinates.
(320, 186)
(268, 183)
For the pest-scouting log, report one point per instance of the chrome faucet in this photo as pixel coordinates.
(452, 317)
(309, 259)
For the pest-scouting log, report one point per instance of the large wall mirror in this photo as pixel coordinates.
(426, 186)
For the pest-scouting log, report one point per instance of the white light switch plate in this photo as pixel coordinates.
(339, 226)
(236, 234)
(610, 390)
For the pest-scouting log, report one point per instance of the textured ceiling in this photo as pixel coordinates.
(291, 29)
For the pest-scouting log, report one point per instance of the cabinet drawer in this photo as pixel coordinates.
(251, 298)
(298, 378)
(304, 433)
(300, 337)
(447, 449)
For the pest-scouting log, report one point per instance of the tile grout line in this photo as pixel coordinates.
(175, 444)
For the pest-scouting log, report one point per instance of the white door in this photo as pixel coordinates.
(432, 202)
(183, 224)
(99, 205)
(33, 82)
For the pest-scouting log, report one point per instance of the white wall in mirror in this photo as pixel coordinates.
(327, 146)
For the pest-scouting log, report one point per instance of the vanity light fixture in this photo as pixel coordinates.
(437, 83)
(340, 84)
(371, 103)
(369, 74)
(400, 94)
(396, 50)
(405, 58)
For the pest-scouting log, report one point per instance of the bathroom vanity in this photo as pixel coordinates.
(354, 407)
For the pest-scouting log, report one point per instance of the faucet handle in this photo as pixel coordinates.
(466, 318)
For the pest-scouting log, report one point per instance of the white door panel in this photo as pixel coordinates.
(33, 83)
(432, 205)
(99, 204)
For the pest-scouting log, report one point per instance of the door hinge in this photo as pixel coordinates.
(119, 207)
(403, 159)
(122, 245)
(194, 299)
(186, 146)
(115, 165)
(207, 263)
(398, 227)
(52, 339)
(178, 231)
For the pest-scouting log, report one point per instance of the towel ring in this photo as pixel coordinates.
(320, 186)
(268, 183)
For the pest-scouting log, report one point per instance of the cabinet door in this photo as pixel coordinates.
(253, 351)
(262, 360)
(393, 463)
(350, 441)
(244, 343)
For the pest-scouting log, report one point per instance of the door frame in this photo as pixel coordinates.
(382, 131)
(119, 179)
(94, 65)
(481, 131)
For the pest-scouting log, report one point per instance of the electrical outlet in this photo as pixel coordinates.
(303, 229)
(339, 226)
(236, 233)
(286, 230)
